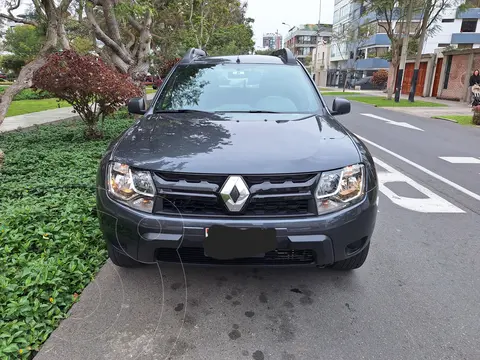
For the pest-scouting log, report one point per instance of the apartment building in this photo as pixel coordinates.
(272, 41)
(302, 40)
(456, 29)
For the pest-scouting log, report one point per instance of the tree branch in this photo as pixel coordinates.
(111, 21)
(191, 23)
(105, 38)
(134, 23)
(15, 19)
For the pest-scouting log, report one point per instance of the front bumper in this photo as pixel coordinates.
(328, 238)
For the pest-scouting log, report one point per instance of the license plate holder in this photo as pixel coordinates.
(225, 243)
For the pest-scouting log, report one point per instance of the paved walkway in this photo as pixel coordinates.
(454, 107)
(41, 117)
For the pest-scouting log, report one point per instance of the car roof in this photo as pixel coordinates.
(277, 57)
(241, 59)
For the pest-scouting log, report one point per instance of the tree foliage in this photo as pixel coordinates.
(84, 81)
(11, 63)
(24, 41)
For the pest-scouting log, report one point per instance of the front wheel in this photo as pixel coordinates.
(120, 259)
(352, 263)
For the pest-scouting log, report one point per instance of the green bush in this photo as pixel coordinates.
(29, 94)
(50, 243)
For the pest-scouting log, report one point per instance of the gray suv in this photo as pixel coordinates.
(238, 160)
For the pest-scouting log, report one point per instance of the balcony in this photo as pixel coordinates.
(377, 39)
(466, 38)
(372, 63)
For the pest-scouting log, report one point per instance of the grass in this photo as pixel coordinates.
(383, 102)
(461, 119)
(339, 93)
(21, 107)
(50, 243)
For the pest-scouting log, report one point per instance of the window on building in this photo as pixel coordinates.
(447, 71)
(336, 16)
(448, 20)
(465, 46)
(442, 45)
(468, 25)
(356, 14)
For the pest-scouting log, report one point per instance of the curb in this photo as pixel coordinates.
(29, 127)
(442, 118)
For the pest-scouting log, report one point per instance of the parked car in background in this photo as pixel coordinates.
(3, 76)
(157, 83)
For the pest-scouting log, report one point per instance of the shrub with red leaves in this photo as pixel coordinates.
(380, 77)
(167, 65)
(94, 89)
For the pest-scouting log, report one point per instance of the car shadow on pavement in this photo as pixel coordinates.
(170, 312)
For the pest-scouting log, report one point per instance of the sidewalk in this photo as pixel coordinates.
(42, 117)
(453, 107)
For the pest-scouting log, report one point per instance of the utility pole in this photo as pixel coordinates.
(403, 58)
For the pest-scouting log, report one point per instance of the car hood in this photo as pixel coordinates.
(236, 143)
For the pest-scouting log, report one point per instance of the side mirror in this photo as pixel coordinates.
(340, 106)
(137, 106)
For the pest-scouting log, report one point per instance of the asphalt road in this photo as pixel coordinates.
(416, 297)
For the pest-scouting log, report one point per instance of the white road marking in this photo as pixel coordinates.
(433, 204)
(391, 122)
(460, 159)
(425, 170)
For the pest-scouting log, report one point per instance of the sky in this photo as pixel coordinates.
(270, 14)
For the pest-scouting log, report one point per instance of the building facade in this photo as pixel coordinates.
(456, 29)
(272, 41)
(321, 63)
(302, 40)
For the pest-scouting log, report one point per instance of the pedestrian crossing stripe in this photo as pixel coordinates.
(461, 159)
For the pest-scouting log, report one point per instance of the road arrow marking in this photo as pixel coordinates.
(391, 122)
(460, 159)
(431, 204)
(421, 168)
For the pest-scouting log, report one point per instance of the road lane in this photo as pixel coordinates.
(415, 298)
(439, 138)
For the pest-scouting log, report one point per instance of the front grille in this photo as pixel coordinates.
(271, 195)
(197, 256)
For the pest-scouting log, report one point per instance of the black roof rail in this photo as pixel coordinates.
(286, 55)
(192, 54)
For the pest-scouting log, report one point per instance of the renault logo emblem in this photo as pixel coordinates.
(235, 193)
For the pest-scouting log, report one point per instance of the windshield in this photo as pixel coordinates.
(239, 88)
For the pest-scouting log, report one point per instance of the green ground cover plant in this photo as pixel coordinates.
(50, 243)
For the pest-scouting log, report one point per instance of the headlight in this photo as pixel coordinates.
(133, 188)
(341, 188)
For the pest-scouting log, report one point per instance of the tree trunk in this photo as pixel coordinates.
(418, 58)
(392, 74)
(55, 32)
(24, 81)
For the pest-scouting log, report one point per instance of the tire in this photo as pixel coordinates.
(352, 263)
(121, 259)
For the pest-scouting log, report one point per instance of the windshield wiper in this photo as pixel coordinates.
(180, 111)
